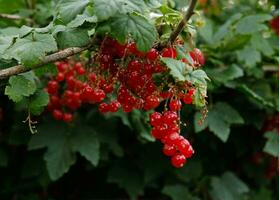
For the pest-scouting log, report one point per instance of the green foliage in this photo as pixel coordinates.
(272, 144)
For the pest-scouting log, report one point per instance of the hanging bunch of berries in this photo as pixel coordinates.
(121, 77)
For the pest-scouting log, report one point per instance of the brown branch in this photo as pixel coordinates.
(182, 23)
(14, 17)
(5, 73)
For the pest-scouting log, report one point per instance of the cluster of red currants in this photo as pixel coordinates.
(166, 128)
(274, 23)
(120, 76)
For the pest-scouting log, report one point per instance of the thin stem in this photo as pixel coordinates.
(13, 17)
(182, 23)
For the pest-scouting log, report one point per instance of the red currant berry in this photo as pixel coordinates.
(67, 117)
(151, 102)
(175, 105)
(169, 53)
(103, 108)
(57, 114)
(169, 150)
(178, 160)
(155, 119)
(152, 54)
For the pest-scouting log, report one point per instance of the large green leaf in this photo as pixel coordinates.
(143, 32)
(32, 48)
(19, 87)
(197, 77)
(5, 42)
(69, 9)
(262, 44)
(59, 156)
(272, 143)
(87, 16)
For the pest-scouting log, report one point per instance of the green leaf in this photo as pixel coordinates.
(227, 74)
(137, 26)
(252, 24)
(81, 19)
(197, 77)
(73, 37)
(220, 117)
(5, 42)
(178, 192)
(177, 68)
(190, 172)
(31, 49)
(19, 87)
(3, 158)
(272, 143)
(128, 178)
(249, 56)
(85, 141)
(38, 102)
(262, 44)
(69, 9)
(206, 32)
(199, 127)
(141, 126)
(227, 187)
(59, 156)
(109, 8)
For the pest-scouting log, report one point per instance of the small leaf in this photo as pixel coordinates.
(198, 77)
(272, 143)
(69, 9)
(252, 23)
(249, 56)
(19, 87)
(177, 68)
(5, 42)
(38, 102)
(87, 16)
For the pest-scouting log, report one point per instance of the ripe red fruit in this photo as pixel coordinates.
(155, 119)
(152, 54)
(170, 117)
(98, 95)
(169, 150)
(52, 87)
(103, 108)
(197, 57)
(187, 99)
(151, 102)
(67, 117)
(60, 76)
(178, 160)
(114, 106)
(80, 70)
(169, 53)
(57, 114)
(175, 105)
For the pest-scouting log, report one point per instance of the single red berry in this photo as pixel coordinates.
(151, 102)
(175, 105)
(103, 108)
(178, 160)
(152, 54)
(187, 99)
(52, 87)
(98, 95)
(57, 114)
(114, 106)
(170, 117)
(80, 71)
(169, 150)
(169, 53)
(197, 57)
(155, 118)
(68, 117)
(60, 76)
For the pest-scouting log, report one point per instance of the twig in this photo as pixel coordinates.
(14, 17)
(181, 24)
(5, 73)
